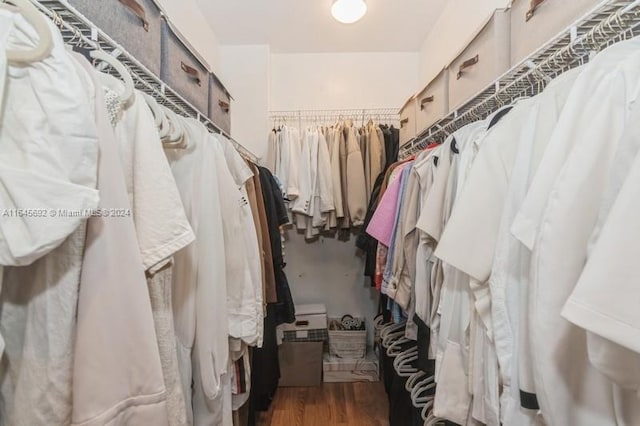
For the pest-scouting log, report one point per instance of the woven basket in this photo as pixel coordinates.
(351, 344)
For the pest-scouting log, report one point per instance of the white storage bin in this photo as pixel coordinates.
(432, 103)
(134, 24)
(536, 22)
(408, 127)
(348, 344)
(484, 60)
(310, 325)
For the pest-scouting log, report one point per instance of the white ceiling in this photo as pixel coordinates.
(297, 26)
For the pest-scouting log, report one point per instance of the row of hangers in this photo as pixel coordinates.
(168, 123)
(418, 385)
(323, 120)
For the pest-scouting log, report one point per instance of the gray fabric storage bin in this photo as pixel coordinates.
(219, 104)
(408, 128)
(485, 59)
(134, 24)
(432, 103)
(534, 23)
(183, 71)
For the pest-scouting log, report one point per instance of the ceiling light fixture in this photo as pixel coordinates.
(348, 11)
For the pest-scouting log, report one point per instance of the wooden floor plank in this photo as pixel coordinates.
(332, 404)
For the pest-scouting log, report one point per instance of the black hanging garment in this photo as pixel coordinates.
(265, 368)
(276, 217)
(366, 242)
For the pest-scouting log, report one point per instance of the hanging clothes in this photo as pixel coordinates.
(511, 212)
(98, 398)
(330, 173)
(49, 161)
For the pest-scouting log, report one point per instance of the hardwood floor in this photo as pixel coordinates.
(332, 404)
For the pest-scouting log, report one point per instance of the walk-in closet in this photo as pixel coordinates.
(319, 213)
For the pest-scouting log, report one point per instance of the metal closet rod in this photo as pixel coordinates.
(332, 111)
(77, 29)
(608, 24)
(355, 113)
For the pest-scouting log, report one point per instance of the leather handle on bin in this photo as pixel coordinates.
(403, 122)
(191, 72)
(138, 10)
(302, 323)
(532, 9)
(224, 105)
(426, 100)
(466, 64)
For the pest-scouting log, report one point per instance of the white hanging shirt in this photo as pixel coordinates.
(245, 296)
(308, 165)
(48, 162)
(603, 300)
(199, 279)
(117, 375)
(48, 147)
(570, 390)
(161, 224)
(509, 273)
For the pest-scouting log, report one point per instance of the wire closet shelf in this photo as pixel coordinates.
(328, 116)
(77, 30)
(612, 21)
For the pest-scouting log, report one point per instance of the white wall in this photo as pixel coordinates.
(452, 33)
(342, 80)
(331, 271)
(245, 71)
(192, 25)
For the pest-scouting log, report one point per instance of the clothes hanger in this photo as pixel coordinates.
(162, 122)
(419, 388)
(395, 348)
(165, 125)
(414, 379)
(155, 109)
(175, 137)
(39, 23)
(129, 87)
(389, 338)
(392, 328)
(428, 408)
(432, 420)
(402, 361)
(423, 397)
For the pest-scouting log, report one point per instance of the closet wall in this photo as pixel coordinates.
(246, 72)
(342, 80)
(261, 81)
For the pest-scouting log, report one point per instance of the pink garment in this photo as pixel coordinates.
(381, 224)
